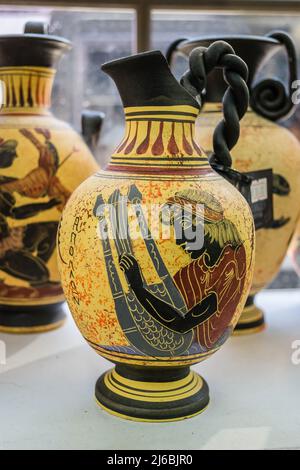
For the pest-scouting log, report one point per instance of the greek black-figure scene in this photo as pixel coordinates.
(25, 249)
(194, 307)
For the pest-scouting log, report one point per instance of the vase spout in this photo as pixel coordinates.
(160, 117)
(146, 80)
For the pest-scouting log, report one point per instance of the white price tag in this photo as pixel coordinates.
(259, 190)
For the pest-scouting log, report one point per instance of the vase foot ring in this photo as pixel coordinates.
(252, 321)
(31, 319)
(248, 330)
(150, 401)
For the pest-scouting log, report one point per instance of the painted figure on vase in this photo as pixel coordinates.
(205, 293)
(25, 249)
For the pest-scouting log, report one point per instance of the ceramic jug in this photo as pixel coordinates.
(42, 160)
(263, 146)
(143, 291)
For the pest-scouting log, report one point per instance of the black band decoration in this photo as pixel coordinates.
(269, 97)
(235, 100)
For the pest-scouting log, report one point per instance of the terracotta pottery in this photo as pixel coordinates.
(142, 295)
(263, 145)
(42, 161)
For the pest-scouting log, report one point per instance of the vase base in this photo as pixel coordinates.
(251, 321)
(152, 396)
(31, 319)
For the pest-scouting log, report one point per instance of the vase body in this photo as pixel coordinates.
(147, 300)
(42, 160)
(263, 145)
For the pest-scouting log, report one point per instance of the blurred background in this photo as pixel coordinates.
(101, 34)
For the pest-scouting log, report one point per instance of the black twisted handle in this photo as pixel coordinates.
(235, 100)
(269, 97)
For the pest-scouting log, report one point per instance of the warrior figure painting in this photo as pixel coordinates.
(209, 286)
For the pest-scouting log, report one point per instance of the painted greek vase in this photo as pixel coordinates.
(263, 145)
(42, 160)
(144, 294)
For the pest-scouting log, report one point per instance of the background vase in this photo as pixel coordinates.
(42, 160)
(263, 145)
(155, 304)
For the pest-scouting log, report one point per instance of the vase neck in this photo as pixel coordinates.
(26, 89)
(159, 137)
